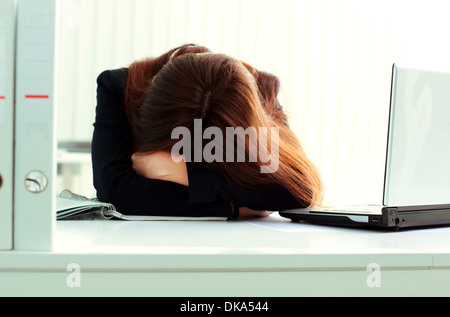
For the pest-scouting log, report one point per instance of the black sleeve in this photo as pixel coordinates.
(114, 178)
(215, 187)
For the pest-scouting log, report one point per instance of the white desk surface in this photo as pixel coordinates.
(271, 245)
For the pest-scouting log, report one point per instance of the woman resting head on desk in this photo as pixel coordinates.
(193, 133)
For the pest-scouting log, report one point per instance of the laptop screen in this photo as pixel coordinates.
(418, 157)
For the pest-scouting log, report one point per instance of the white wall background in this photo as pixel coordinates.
(333, 57)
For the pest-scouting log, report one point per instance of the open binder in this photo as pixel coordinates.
(71, 206)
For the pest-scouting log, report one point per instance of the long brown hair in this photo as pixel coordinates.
(182, 85)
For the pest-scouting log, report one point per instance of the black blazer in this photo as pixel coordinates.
(208, 194)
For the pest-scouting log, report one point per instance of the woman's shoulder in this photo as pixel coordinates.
(115, 79)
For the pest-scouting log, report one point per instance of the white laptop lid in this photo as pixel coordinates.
(418, 154)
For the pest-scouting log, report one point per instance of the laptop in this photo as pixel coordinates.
(416, 189)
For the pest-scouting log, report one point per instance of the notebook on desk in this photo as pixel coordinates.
(71, 206)
(417, 172)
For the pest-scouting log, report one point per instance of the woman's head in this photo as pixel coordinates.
(189, 86)
(212, 87)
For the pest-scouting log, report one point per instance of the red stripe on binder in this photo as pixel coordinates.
(36, 96)
(2, 97)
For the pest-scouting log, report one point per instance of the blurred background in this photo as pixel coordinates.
(333, 57)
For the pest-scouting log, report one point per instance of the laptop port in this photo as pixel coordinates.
(376, 219)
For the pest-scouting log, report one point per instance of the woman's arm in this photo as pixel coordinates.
(208, 185)
(162, 166)
(114, 178)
